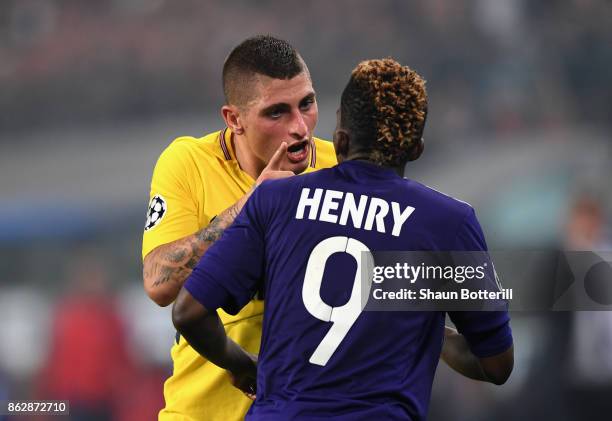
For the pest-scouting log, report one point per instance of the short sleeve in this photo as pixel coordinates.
(232, 269)
(488, 333)
(172, 212)
(470, 237)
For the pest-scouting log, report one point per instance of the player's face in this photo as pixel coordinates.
(282, 111)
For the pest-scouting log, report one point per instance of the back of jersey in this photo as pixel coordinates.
(321, 354)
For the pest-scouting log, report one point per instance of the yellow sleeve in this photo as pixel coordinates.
(173, 209)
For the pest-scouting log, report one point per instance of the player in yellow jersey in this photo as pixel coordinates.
(200, 184)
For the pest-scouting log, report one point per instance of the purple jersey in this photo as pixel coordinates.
(298, 240)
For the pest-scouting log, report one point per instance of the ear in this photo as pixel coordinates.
(341, 143)
(417, 150)
(231, 115)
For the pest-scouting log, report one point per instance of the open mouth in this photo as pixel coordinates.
(298, 151)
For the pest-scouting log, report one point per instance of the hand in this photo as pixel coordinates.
(273, 169)
(245, 378)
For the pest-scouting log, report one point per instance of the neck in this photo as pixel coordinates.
(247, 161)
(365, 156)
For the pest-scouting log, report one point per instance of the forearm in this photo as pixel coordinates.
(457, 354)
(205, 333)
(166, 268)
(207, 336)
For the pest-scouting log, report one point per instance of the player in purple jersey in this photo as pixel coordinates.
(300, 241)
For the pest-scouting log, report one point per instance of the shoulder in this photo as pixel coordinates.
(445, 205)
(280, 192)
(186, 152)
(325, 154)
(186, 146)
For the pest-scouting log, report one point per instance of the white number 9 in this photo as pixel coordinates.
(342, 317)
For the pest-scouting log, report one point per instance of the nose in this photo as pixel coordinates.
(298, 129)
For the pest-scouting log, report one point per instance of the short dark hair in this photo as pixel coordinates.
(384, 107)
(261, 54)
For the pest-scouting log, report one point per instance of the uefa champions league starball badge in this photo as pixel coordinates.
(156, 211)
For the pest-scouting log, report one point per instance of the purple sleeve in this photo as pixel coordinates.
(230, 272)
(470, 236)
(488, 333)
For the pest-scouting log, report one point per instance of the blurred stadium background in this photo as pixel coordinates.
(91, 92)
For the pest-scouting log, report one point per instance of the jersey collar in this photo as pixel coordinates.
(226, 144)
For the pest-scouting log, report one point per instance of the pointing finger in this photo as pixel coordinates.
(277, 158)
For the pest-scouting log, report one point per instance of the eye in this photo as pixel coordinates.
(307, 103)
(275, 113)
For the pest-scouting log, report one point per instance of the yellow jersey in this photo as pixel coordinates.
(194, 180)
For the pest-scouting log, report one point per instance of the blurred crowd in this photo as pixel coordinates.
(86, 343)
(491, 65)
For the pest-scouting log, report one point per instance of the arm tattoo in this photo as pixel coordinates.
(174, 262)
(213, 231)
